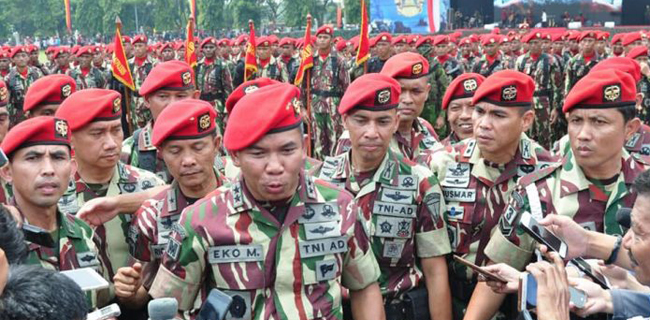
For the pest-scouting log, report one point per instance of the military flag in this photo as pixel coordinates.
(251, 59)
(68, 16)
(193, 9)
(120, 64)
(190, 46)
(363, 52)
(306, 56)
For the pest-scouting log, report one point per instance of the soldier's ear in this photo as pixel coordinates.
(196, 94)
(5, 173)
(344, 118)
(631, 127)
(639, 99)
(527, 119)
(235, 158)
(73, 167)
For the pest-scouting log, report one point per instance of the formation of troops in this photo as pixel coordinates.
(342, 198)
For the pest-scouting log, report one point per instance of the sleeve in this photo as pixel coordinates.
(628, 304)
(226, 81)
(344, 76)
(284, 73)
(181, 272)
(556, 80)
(431, 237)
(142, 231)
(360, 268)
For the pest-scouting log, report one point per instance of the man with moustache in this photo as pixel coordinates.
(457, 103)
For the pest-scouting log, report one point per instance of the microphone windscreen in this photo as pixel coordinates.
(623, 217)
(163, 309)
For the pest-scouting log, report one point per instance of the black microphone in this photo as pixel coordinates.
(216, 306)
(623, 217)
(162, 309)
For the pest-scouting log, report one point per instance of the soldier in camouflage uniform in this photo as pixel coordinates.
(34, 52)
(179, 130)
(19, 79)
(61, 56)
(640, 54)
(548, 91)
(438, 80)
(402, 200)
(581, 63)
(141, 64)
(590, 185)
(329, 80)
(97, 136)
(85, 74)
(414, 134)
(280, 246)
(491, 61)
(213, 79)
(457, 103)
(5, 63)
(269, 66)
(288, 57)
(167, 52)
(4, 116)
(478, 174)
(466, 58)
(46, 94)
(441, 49)
(169, 82)
(39, 170)
(375, 63)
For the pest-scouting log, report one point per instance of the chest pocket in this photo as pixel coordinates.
(323, 245)
(394, 223)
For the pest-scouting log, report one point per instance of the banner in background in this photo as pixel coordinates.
(409, 16)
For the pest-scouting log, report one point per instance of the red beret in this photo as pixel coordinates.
(385, 36)
(185, 119)
(246, 88)
(31, 48)
(372, 91)
(85, 50)
(340, 46)
(326, 29)
(263, 42)
(4, 94)
(52, 89)
(126, 39)
(16, 50)
(587, 34)
(506, 88)
(422, 40)
(603, 35)
(241, 39)
(491, 38)
(557, 37)
(532, 36)
(464, 86)
(413, 38)
(373, 41)
(166, 45)
(602, 89)
(36, 131)
(288, 41)
(440, 39)
(170, 75)
(406, 65)
(208, 40)
(273, 39)
(75, 48)
(224, 42)
(274, 108)
(638, 51)
(139, 38)
(88, 105)
(631, 37)
(617, 37)
(179, 45)
(624, 64)
(465, 41)
(110, 48)
(400, 39)
(474, 37)
(59, 51)
(4, 54)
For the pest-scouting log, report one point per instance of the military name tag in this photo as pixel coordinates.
(457, 175)
(408, 182)
(459, 195)
(456, 213)
(396, 195)
(157, 250)
(389, 227)
(320, 212)
(393, 249)
(87, 259)
(394, 209)
(323, 247)
(322, 230)
(326, 270)
(241, 253)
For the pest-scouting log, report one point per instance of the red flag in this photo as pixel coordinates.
(306, 56)
(120, 66)
(251, 59)
(68, 18)
(193, 9)
(190, 46)
(363, 52)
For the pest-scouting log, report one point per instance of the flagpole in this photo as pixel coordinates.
(308, 100)
(127, 90)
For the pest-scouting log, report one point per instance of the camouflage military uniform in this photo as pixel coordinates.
(548, 94)
(95, 78)
(439, 82)
(638, 145)
(468, 62)
(509, 61)
(292, 67)
(215, 88)
(149, 231)
(138, 113)
(562, 189)
(404, 203)
(577, 68)
(451, 139)
(423, 137)
(17, 85)
(644, 87)
(273, 270)
(476, 192)
(374, 66)
(76, 247)
(138, 151)
(329, 80)
(112, 234)
(485, 68)
(275, 70)
(452, 67)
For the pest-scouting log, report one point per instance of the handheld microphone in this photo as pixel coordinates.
(216, 306)
(162, 309)
(623, 217)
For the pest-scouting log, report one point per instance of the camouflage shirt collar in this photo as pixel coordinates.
(144, 143)
(386, 173)
(526, 153)
(572, 172)
(66, 227)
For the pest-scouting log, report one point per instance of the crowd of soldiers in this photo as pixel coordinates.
(432, 148)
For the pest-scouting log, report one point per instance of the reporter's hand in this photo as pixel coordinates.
(599, 300)
(98, 211)
(127, 281)
(575, 236)
(507, 273)
(553, 296)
